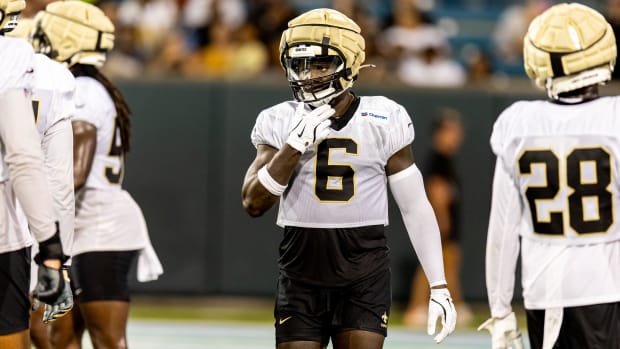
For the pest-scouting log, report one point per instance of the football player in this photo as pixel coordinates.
(556, 191)
(22, 177)
(327, 158)
(110, 231)
(52, 102)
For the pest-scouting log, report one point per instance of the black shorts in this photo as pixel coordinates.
(592, 326)
(100, 276)
(312, 313)
(14, 291)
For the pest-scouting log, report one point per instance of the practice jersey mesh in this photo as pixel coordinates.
(341, 182)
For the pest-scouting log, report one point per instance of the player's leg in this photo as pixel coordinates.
(67, 331)
(106, 322)
(300, 315)
(102, 285)
(39, 331)
(358, 339)
(361, 313)
(301, 345)
(15, 310)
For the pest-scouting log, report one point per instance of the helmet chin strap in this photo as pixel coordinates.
(325, 100)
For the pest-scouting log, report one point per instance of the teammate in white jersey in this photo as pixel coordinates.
(327, 158)
(22, 177)
(110, 231)
(556, 191)
(53, 105)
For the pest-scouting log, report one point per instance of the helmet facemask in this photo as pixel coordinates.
(314, 77)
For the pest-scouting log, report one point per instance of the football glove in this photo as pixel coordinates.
(504, 332)
(62, 305)
(441, 307)
(310, 127)
(53, 289)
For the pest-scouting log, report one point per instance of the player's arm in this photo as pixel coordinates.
(57, 147)
(501, 260)
(407, 188)
(84, 145)
(25, 161)
(502, 250)
(269, 174)
(279, 164)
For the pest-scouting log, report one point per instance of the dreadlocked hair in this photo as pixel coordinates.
(122, 109)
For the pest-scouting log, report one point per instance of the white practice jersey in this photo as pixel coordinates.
(52, 94)
(563, 161)
(341, 182)
(95, 106)
(53, 106)
(106, 216)
(17, 67)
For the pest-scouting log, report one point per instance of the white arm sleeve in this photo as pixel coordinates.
(57, 146)
(407, 187)
(502, 248)
(25, 161)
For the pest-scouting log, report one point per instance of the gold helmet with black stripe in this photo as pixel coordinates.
(322, 52)
(72, 32)
(9, 14)
(568, 47)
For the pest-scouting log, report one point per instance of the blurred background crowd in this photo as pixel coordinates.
(440, 43)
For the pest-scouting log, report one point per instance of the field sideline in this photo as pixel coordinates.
(237, 322)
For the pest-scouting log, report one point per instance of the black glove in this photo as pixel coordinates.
(63, 303)
(50, 284)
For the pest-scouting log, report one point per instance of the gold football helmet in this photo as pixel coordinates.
(567, 47)
(321, 51)
(9, 13)
(73, 32)
(23, 29)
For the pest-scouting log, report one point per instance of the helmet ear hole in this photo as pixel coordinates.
(568, 47)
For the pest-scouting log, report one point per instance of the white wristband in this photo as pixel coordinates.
(269, 183)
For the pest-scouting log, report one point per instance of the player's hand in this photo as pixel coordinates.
(50, 284)
(504, 332)
(62, 305)
(309, 127)
(441, 307)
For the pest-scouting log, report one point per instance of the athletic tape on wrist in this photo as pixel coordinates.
(269, 183)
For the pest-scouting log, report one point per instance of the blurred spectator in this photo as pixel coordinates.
(215, 60)
(479, 66)
(152, 20)
(198, 14)
(418, 49)
(271, 18)
(169, 59)
(251, 55)
(362, 15)
(444, 193)
(432, 66)
(510, 30)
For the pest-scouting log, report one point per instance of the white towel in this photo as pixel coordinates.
(149, 267)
